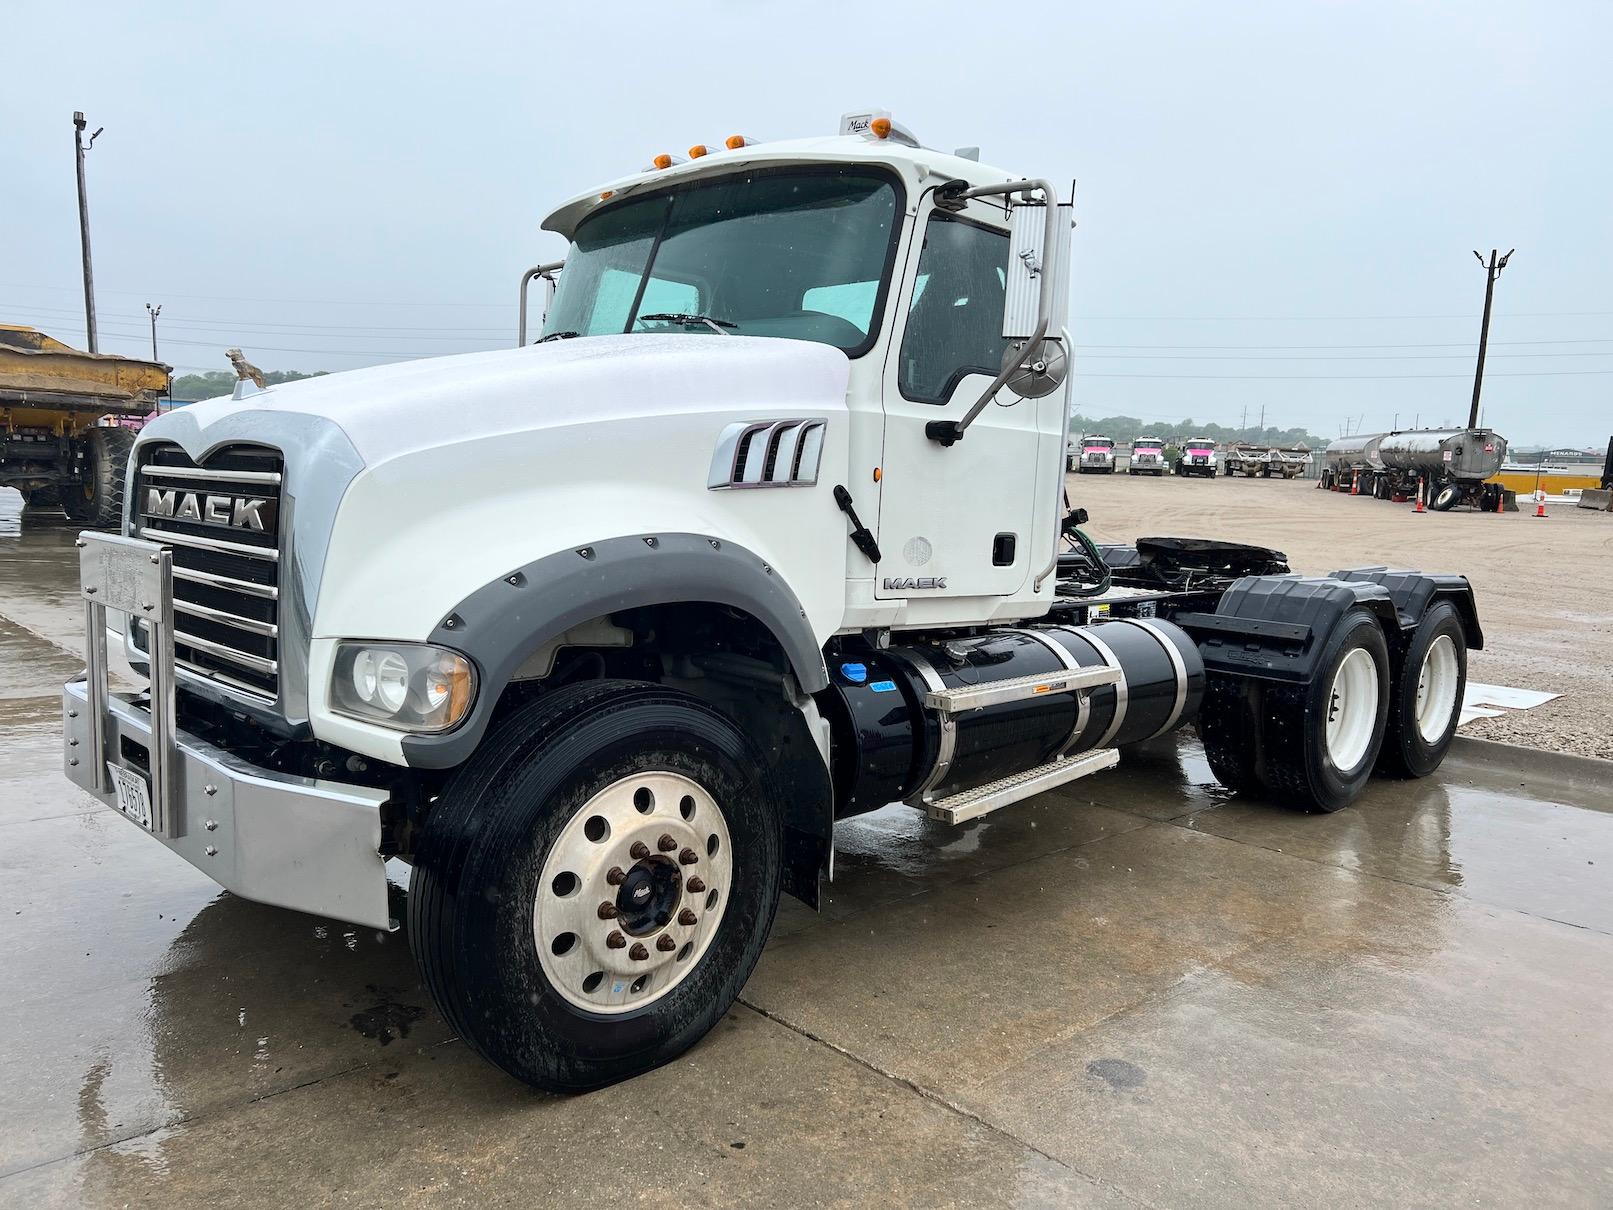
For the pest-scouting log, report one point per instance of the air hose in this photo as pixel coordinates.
(1073, 562)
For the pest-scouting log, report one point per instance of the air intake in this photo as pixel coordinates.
(768, 453)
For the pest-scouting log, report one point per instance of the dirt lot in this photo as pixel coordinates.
(1545, 588)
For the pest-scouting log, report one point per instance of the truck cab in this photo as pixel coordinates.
(1198, 458)
(1147, 457)
(1093, 454)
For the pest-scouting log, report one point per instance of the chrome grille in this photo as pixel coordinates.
(222, 522)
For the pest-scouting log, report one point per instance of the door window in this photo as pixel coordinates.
(955, 321)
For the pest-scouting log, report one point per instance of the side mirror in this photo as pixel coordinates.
(1036, 299)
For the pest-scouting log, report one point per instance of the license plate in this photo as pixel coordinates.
(133, 794)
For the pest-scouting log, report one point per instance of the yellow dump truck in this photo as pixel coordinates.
(67, 421)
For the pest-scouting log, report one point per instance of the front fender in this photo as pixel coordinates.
(502, 623)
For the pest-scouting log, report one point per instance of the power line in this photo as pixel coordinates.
(351, 302)
(1343, 377)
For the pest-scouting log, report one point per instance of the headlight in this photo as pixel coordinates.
(409, 686)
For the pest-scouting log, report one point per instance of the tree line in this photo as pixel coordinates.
(188, 388)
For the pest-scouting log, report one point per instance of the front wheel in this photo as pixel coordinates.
(594, 887)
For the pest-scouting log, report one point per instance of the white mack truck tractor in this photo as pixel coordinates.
(602, 635)
(1147, 457)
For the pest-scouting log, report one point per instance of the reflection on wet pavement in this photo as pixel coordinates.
(1137, 989)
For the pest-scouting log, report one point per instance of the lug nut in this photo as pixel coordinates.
(695, 885)
(607, 911)
(666, 844)
(615, 941)
(688, 857)
(639, 851)
(616, 875)
(665, 944)
(687, 917)
(638, 953)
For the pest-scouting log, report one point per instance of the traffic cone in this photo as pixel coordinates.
(1501, 500)
(1420, 508)
(1355, 484)
(1540, 504)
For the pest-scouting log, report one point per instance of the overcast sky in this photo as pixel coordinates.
(1277, 202)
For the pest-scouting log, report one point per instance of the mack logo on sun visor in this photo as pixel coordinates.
(255, 513)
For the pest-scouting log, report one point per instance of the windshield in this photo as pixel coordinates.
(802, 253)
(1146, 443)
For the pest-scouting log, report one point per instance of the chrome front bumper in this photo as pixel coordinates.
(290, 841)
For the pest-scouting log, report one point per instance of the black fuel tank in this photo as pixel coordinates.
(889, 745)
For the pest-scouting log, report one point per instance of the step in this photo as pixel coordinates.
(1016, 688)
(982, 800)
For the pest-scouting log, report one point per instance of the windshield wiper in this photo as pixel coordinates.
(557, 336)
(684, 318)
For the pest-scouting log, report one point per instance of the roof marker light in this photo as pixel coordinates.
(736, 141)
(698, 150)
(881, 128)
(662, 161)
(607, 195)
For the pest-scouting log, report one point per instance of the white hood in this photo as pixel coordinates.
(389, 411)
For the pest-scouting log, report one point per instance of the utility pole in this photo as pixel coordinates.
(1262, 422)
(1243, 424)
(80, 147)
(154, 312)
(1492, 270)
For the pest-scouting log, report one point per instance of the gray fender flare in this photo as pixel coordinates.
(500, 624)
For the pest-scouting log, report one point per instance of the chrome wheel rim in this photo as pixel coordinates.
(1352, 709)
(632, 892)
(1436, 689)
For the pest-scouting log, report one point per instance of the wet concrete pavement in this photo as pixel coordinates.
(1141, 990)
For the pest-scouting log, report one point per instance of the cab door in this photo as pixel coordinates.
(956, 521)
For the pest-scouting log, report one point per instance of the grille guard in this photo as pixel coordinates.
(137, 577)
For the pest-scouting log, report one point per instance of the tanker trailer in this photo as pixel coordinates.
(1452, 463)
(1349, 458)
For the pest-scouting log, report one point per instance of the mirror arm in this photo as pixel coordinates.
(948, 431)
(546, 272)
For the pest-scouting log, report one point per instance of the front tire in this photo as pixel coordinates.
(594, 887)
(1426, 701)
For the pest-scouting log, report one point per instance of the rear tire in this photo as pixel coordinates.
(1321, 740)
(1228, 730)
(484, 898)
(1426, 700)
(97, 500)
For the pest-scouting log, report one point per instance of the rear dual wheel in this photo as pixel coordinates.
(1314, 746)
(1426, 704)
(594, 887)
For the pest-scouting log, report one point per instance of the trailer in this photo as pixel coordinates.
(402, 613)
(1446, 466)
(1251, 461)
(68, 421)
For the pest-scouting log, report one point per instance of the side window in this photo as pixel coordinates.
(955, 321)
